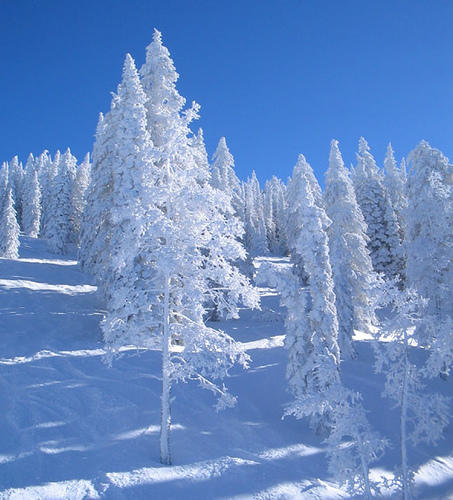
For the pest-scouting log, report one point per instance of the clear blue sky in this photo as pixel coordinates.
(276, 77)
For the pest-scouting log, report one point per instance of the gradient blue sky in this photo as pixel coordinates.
(276, 77)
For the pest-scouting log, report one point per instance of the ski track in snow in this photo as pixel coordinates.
(72, 428)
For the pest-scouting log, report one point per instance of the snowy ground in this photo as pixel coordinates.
(73, 428)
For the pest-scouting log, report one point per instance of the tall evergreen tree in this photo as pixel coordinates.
(382, 225)
(132, 159)
(27, 172)
(42, 162)
(97, 225)
(429, 240)
(223, 175)
(185, 241)
(9, 229)
(275, 215)
(199, 149)
(312, 341)
(16, 174)
(255, 228)
(312, 333)
(81, 183)
(302, 172)
(395, 184)
(47, 179)
(164, 103)
(31, 203)
(60, 231)
(354, 278)
(4, 183)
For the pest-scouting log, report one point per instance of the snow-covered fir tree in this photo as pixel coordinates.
(354, 278)
(4, 182)
(30, 167)
(185, 241)
(312, 333)
(224, 177)
(382, 225)
(199, 149)
(60, 231)
(41, 166)
(255, 228)
(132, 159)
(31, 203)
(16, 174)
(293, 215)
(9, 229)
(395, 184)
(42, 162)
(312, 340)
(46, 181)
(440, 361)
(429, 238)
(95, 231)
(275, 215)
(81, 183)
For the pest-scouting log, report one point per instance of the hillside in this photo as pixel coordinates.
(73, 428)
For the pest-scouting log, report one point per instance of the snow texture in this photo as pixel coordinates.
(73, 428)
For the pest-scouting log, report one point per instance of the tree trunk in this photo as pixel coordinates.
(406, 481)
(165, 456)
(365, 468)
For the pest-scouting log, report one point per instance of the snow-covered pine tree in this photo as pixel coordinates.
(186, 241)
(95, 225)
(312, 329)
(293, 215)
(403, 173)
(31, 203)
(81, 183)
(395, 184)
(4, 182)
(9, 229)
(47, 179)
(42, 163)
(16, 174)
(423, 417)
(312, 341)
(255, 228)
(275, 215)
(382, 225)
(429, 238)
(41, 166)
(30, 167)
(59, 231)
(268, 213)
(303, 168)
(440, 360)
(131, 159)
(352, 444)
(354, 278)
(223, 175)
(199, 149)
(223, 178)
(164, 103)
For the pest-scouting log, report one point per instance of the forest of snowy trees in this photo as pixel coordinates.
(170, 238)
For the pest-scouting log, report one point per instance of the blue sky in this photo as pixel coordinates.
(276, 77)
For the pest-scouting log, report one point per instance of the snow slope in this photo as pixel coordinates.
(73, 428)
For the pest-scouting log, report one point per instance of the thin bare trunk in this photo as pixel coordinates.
(365, 468)
(406, 485)
(165, 456)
